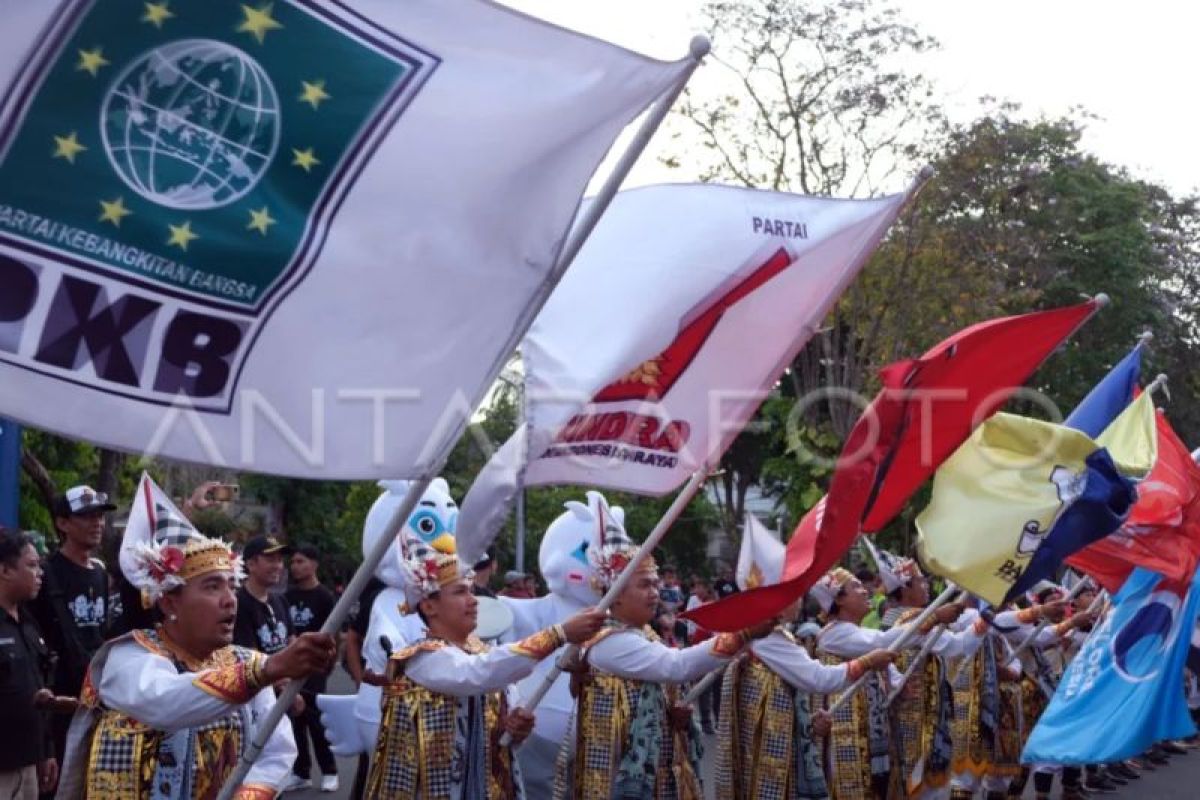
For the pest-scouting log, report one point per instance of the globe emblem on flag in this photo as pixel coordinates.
(193, 124)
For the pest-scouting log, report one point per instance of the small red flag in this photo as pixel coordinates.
(1163, 530)
(926, 409)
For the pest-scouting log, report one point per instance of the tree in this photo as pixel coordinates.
(813, 97)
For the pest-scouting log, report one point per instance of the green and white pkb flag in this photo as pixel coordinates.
(290, 236)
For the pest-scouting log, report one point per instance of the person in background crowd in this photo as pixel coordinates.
(878, 599)
(670, 593)
(481, 583)
(515, 585)
(309, 605)
(724, 585)
(72, 608)
(27, 761)
(664, 626)
(262, 617)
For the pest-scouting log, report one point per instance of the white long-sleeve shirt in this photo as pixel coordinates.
(792, 662)
(629, 654)
(147, 687)
(847, 640)
(455, 672)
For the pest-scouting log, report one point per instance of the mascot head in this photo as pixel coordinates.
(563, 557)
(433, 522)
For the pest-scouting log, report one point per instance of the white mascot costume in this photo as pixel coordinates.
(564, 564)
(352, 721)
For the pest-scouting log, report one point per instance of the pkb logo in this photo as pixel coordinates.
(169, 172)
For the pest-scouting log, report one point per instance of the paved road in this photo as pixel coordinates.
(1178, 780)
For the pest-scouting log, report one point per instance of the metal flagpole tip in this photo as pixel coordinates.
(1147, 336)
(1102, 300)
(926, 172)
(700, 46)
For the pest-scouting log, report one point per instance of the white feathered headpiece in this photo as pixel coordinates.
(161, 550)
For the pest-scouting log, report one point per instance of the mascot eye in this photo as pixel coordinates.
(580, 553)
(452, 522)
(426, 524)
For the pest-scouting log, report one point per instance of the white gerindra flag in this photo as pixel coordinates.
(288, 236)
(680, 313)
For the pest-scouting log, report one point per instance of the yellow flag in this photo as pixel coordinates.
(1131, 438)
(997, 497)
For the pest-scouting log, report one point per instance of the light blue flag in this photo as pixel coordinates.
(1124, 691)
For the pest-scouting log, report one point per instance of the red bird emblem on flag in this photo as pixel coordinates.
(653, 379)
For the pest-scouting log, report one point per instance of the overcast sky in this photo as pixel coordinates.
(1133, 64)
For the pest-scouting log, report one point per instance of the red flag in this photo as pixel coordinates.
(1163, 530)
(926, 409)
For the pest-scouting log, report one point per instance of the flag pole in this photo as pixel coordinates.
(930, 640)
(896, 646)
(702, 686)
(652, 541)
(698, 48)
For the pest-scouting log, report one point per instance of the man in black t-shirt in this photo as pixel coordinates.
(309, 605)
(72, 608)
(262, 621)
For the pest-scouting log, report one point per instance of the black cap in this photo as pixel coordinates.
(81, 500)
(309, 551)
(262, 546)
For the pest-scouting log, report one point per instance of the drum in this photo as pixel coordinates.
(495, 618)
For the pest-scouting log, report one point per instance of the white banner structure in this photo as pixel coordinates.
(293, 237)
(682, 310)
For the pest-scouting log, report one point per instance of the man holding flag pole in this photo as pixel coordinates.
(768, 738)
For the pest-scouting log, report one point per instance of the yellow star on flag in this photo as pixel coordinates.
(157, 13)
(260, 220)
(181, 235)
(305, 159)
(314, 93)
(113, 211)
(90, 61)
(258, 21)
(68, 147)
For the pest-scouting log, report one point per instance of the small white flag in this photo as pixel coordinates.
(760, 561)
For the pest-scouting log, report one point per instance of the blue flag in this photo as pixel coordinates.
(1124, 691)
(1109, 397)
(10, 471)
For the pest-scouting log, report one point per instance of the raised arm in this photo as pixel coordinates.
(630, 655)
